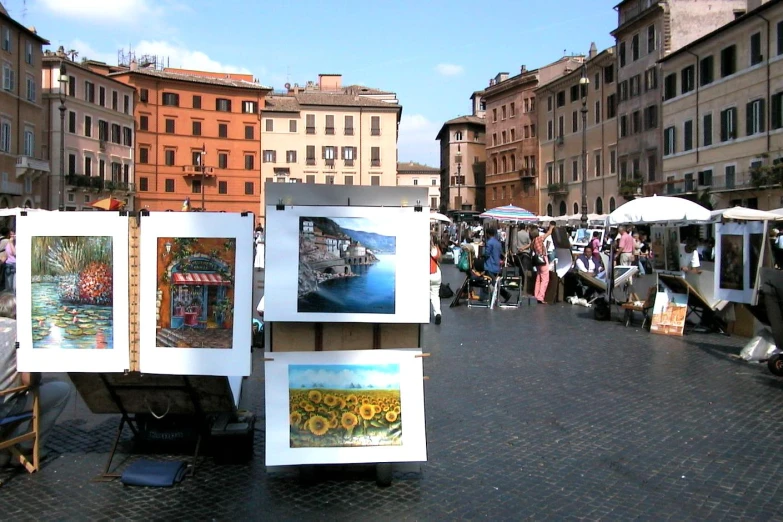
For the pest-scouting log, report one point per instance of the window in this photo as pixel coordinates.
(170, 158)
(561, 99)
(597, 81)
(222, 160)
(329, 127)
(222, 105)
(171, 99)
(375, 124)
(650, 39)
(249, 107)
(127, 136)
(575, 170)
(755, 117)
(622, 54)
(72, 122)
(669, 145)
(197, 128)
(728, 124)
(705, 177)
(550, 127)
(6, 39)
(532, 130)
(269, 125)
(687, 130)
(780, 38)
(636, 82)
(513, 109)
(328, 153)
(291, 125)
(310, 155)
(611, 106)
(494, 115)
(597, 164)
(169, 185)
(650, 79)
(707, 128)
(29, 142)
(5, 136)
(560, 126)
(503, 112)
(114, 100)
(30, 89)
(196, 102)
(706, 70)
(670, 86)
(310, 123)
(144, 95)
(102, 169)
(195, 186)
(144, 122)
(755, 49)
(144, 184)
(549, 104)
(169, 126)
(609, 74)
(349, 125)
(222, 187)
(87, 126)
(103, 130)
(71, 86)
(574, 121)
(513, 133)
(126, 104)
(116, 133)
(730, 175)
(636, 122)
(249, 132)
(651, 117)
(623, 126)
(777, 110)
(71, 164)
(612, 161)
(622, 89)
(635, 47)
(310, 179)
(249, 188)
(375, 157)
(9, 83)
(222, 130)
(250, 160)
(728, 61)
(652, 165)
(270, 156)
(290, 156)
(102, 96)
(144, 155)
(688, 79)
(574, 93)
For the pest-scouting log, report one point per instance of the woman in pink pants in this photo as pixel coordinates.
(542, 272)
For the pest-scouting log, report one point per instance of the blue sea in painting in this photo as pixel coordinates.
(372, 291)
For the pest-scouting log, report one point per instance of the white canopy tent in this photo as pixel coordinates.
(5, 212)
(745, 214)
(659, 210)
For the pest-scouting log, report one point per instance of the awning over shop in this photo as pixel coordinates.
(200, 279)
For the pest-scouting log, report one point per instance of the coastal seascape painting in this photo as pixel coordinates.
(72, 292)
(346, 265)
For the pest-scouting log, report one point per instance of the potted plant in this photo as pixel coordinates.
(222, 311)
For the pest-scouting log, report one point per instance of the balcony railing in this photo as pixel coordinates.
(557, 189)
(375, 163)
(97, 184)
(349, 163)
(198, 171)
(31, 166)
(527, 172)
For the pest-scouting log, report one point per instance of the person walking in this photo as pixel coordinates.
(625, 247)
(10, 263)
(259, 244)
(435, 277)
(541, 262)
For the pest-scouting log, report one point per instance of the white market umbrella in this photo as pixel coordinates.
(659, 210)
(437, 216)
(509, 213)
(745, 214)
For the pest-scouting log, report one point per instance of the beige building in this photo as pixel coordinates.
(560, 121)
(326, 133)
(23, 156)
(723, 113)
(462, 164)
(98, 129)
(411, 174)
(513, 133)
(648, 30)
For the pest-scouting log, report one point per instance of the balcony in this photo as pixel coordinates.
(25, 165)
(631, 187)
(96, 184)
(527, 172)
(557, 189)
(10, 188)
(329, 162)
(198, 171)
(560, 140)
(349, 163)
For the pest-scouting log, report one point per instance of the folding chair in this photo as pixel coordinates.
(11, 422)
(483, 287)
(644, 308)
(511, 281)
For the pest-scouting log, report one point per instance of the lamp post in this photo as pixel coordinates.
(584, 83)
(459, 181)
(62, 79)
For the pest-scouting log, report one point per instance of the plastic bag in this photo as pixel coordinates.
(760, 348)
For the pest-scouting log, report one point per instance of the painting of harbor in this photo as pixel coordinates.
(346, 265)
(195, 294)
(72, 292)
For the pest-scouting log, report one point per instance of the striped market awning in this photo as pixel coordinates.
(509, 213)
(200, 279)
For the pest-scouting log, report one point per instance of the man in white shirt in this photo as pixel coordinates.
(693, 263)
(586, 264)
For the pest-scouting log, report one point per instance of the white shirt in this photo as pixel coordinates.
(694, 263)
(581, 266)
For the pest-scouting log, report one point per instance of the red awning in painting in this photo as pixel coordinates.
(199, 279)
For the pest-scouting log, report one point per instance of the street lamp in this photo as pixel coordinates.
(62, 79)
(584, 83)
(459, 180)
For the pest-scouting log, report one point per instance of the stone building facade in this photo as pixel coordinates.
(411, 174)
(462, 164)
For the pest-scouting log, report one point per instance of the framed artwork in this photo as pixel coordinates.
(347, 264)
(738, 252)
(195, 293)
(344, 407)
(72, 292)
(669, 312)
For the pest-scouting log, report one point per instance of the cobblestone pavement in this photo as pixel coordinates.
(533, 413)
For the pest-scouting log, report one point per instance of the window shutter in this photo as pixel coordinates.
(776, 107)
(724, 125)
(733, 129)
(342, 152)
(762, 115)
(749, 118)
(354, 154)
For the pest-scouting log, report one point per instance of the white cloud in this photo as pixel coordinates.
(417, 139)
(176, 55)
(103, 10)
(449, 69)
(85, 50)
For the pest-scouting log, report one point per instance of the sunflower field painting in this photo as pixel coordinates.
(344, 405)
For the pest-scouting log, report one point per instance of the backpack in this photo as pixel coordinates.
(464, 260)
(445, 291)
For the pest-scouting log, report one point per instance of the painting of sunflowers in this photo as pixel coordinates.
(344, 405)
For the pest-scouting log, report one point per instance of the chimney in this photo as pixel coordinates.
(61, 52)
(523, 69)
(491, 82)
(330, 82)
(752, 4)
(593, 51)
(134, 65)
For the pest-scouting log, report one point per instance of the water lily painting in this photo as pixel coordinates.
(72, 292)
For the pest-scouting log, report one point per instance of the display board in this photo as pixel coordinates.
(195, 293)
(72, 292)
(343, 407)
(665, 248)
(347, 264)
(669, 311)
(738, 256)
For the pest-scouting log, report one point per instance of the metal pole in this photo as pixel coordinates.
(203, 175)
(459, 186)
(62, 154)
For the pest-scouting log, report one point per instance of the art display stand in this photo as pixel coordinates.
(333, 336)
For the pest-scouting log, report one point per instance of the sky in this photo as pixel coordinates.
(434, 54)
(340, 376)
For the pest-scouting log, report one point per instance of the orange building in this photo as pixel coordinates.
(198, 136)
